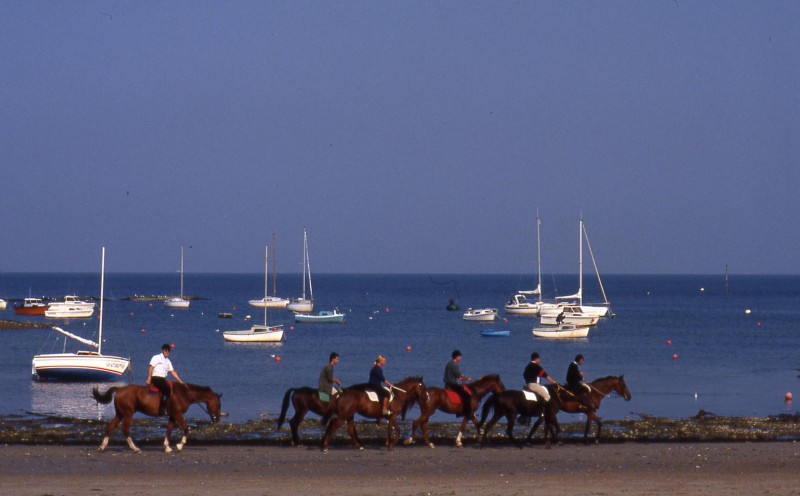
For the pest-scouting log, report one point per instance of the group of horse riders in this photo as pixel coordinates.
(453, 378)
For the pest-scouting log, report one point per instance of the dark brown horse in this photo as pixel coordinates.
(130, 399)
(511, 403)
(566, 402)
(438, 399)
(352, 401)
(304, 400)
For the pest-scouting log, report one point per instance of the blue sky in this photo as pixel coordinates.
(407, 136)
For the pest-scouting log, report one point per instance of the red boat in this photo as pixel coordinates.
(31, 306)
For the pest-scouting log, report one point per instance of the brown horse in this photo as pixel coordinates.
(509, 404)
(354, 401)
(130, 399)
(566, 402)
(304, 400)
(438, 399)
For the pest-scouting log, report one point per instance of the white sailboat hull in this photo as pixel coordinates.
(176, 303)
(300, 305)
(81, 366)
(269, 302)
(562, 332)
(69, 312)
(480, 314)
(596, 311)
(256, 334)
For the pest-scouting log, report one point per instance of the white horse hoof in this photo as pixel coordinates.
(167, 449)
(408, 441)
(101, 450)
(431, 446)
(179, 447)
(360, 448)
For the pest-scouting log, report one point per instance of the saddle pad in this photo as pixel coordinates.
(324, 397)
(454, 397)
(529, 396)
(372, 395)
(151, 389)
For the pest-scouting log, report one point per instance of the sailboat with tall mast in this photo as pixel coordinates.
(82, 365)
(519, 303)
(590, 310)
(273, 301)
(178, 301)
(258, 333)
(303, 304)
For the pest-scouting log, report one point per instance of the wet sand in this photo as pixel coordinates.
(740, 468)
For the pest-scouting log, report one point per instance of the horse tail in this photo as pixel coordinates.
(487, 407)
(104, 398)
(285, 406)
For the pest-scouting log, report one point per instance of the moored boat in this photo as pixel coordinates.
(82, 365)
(567, 314)
(178, 301)
(334, 316)
(480, 314)
(303, 304)
(564, 331)
(70, 308)
(31, 306)
(495, 333)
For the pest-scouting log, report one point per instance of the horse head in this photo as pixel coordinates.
(414, 389)
(487, 383)
(622, 389)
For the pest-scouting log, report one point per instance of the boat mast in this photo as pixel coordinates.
(594, 263)
(580, 261)
(102, 293)
(181, 272)
(308, 264)
(305, 258)
(266, 269)
(539, 253)
(274, 269)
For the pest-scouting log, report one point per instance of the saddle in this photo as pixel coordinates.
(151, 389)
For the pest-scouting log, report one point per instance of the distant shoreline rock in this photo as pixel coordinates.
(16, 325)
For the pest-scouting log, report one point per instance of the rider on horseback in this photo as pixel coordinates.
(577, 386)
(379, 384)
(160, 366)
(532, 375)
(327, 380)
(452, 378)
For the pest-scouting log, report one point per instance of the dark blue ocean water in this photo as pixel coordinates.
(728, 362)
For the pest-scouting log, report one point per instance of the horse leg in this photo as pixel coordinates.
(185, 427)
(109, 429)
(488, 427)
(294, 424)
(591, 415)
(511, 419)
(126, 430)
(333, 425)
(351, 429)
(599, 423)
(461, 433)
(533, 429)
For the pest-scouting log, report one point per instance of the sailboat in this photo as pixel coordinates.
(178, 301)
(303, 305)
(271, 301)
(82, 365)
(589, 310)
(258, 333)
(519, 303)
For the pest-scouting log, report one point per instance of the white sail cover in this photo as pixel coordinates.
(76, 338)
(576, 296)
(534, 292)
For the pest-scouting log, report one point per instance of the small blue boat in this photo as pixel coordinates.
(323, 316)
(495, 333)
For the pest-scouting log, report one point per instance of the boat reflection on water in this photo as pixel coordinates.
(73, 400)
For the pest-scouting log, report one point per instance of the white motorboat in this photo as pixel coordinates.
(564, 331)
(70, 308)
(258, 333)
(303, 304)
(178, 301)
(519, 305)
(334, 316)
(480, 314)
(567, 314)
(3, 304)
(82, 365)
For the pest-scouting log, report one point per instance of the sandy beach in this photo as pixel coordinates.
(617, 468)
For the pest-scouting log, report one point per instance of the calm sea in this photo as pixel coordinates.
(721, 358)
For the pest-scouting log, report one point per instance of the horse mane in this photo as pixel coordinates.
(607, 378)
(413, 378)
(489, 376)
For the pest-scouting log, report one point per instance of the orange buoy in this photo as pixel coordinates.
(674, 356)
(291, 328)
(669, 342)
(172, 346)
(408, 348)
(387, 309)
(758, 324)
(142, 330)
(277, 359)
(788, 396)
